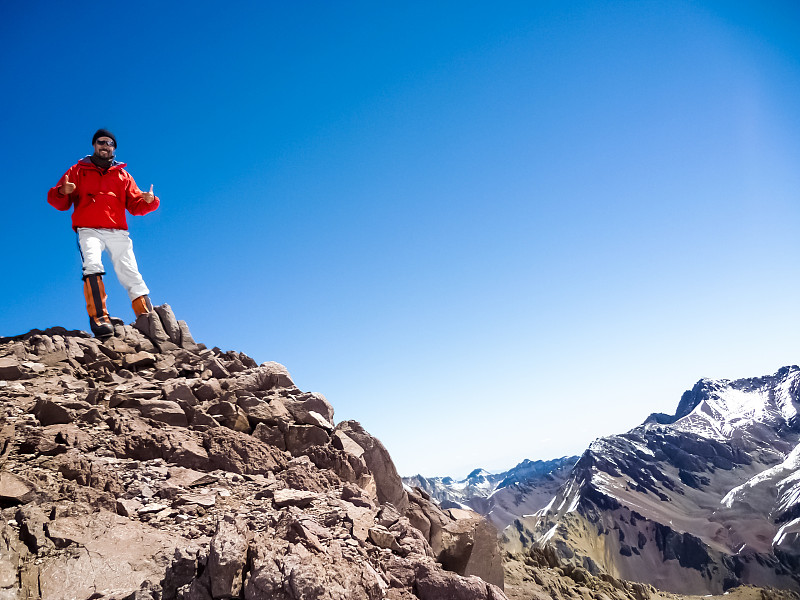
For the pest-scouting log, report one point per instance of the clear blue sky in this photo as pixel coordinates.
(486, 231)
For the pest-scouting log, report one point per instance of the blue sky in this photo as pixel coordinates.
(486, 231)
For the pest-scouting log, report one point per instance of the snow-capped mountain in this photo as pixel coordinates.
(502, 497)
(694, 503)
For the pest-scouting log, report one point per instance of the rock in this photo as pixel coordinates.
(169, 323)
(50, 413)
(387, 481)
(270, 435)
(268, 376)
(434, 584)
(311, 409)
(178, 391)
(383, 538)
(240, 453)
(14, 489)
(227, 557)
(260, 411)
(210, 390)
(116, 556)
(163, 410)
(140, 360)
(128, 501)
(300, 438)
(230, 415)
(10, 368)
(289, 497)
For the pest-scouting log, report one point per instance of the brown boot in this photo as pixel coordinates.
(95, 293)
(142, 305)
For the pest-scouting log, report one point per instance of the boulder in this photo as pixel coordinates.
(387, 480)
(10, 368)
(227, 557)
(113, 556)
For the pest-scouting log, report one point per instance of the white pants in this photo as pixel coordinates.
(117, 243)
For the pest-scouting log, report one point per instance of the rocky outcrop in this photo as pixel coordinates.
(150, 467)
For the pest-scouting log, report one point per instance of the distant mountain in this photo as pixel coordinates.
(695, 502)
(501, 497)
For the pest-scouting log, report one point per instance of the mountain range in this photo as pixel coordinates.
(697, 502)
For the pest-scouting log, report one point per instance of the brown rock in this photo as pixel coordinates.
(387, 481)
(15, 489)
(268, 376)
(140, 360)
(178, 391)
(300, 438)
(227, 557)
(270, 435)
(435, 584)
(210, 390)
(116, 557)
(311, 409)
(261, 411)
(50, 413)
(10, 368)
(169, 323)
(289, 497)
(164, 411)
(230, 415)
(240, 453)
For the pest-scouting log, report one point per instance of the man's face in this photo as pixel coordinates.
(104, 148)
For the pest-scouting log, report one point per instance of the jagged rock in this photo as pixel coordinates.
(260, 411)
(50, 413)
(289, 497)
(227, 557)
(140, 360)
(311, 409)
(15, 489)
(178, 391)
(268, 376)
(240, 453)
(270, 435)
(434, 584)
(10, 368)
(113, 555)
(300, 438)
(208, 390)
(230, 415)
(165, 411)
(387, 481)
(169, 323)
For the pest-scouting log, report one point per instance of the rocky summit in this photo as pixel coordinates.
(149, 467)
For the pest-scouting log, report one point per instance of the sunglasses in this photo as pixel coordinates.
(105, 143)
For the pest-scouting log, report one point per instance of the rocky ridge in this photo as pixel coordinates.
(148, 467)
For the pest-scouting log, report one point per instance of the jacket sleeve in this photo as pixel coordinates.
(58, 200)
(134, 200)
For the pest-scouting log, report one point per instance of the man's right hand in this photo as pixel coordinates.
(66, 188)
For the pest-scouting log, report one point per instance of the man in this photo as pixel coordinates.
(101, 190)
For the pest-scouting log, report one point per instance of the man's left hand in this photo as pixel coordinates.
(149, 196)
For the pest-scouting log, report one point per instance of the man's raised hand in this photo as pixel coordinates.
(149, 196)
(67, 187)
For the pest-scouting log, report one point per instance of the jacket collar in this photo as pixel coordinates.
(87, 163)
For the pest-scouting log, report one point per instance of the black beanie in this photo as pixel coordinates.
(103, 133)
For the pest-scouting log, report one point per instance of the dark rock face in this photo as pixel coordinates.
(149, 467)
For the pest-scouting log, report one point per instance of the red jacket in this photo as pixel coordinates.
(100, 199)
